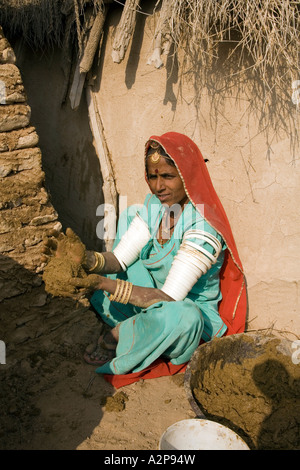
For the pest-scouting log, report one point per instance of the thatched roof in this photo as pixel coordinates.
(259, 37)
(267, 30)
(43, 22)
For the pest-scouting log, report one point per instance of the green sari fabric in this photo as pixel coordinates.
(169, 329)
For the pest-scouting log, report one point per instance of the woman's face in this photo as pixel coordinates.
(165, 182)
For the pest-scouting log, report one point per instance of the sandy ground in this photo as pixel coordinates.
(73, 409)
(51, 399)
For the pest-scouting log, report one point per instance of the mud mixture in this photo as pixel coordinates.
(61, 269)
(256, 395)
(57, 275)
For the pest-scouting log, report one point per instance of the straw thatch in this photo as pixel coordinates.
(254, 42)
(260, 37)
(44, 22)
(265, 31)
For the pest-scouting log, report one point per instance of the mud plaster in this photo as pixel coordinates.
(256, 393)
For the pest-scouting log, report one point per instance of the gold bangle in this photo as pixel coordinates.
(99, 263)
(96, 263)
(116, 294)
(122, 292)
(127, 289)
(119, 292)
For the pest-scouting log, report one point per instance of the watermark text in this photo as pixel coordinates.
(2, 92)
(2, 352)
(296, 353)
(296, 92)
(111, 224)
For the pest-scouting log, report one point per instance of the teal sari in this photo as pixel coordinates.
(165, 329)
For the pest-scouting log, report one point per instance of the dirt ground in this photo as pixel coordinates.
(71, 408)
(50, 399)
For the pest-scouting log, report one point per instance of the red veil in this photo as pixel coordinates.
(199, 188)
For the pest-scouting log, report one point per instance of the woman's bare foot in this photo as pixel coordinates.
(105, 349)
(98, 356)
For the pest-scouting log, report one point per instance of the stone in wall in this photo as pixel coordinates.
(7, 55)
(11, 85)
(14, 116)
(26, 211)
(27, 312)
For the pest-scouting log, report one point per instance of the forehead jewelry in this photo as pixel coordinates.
(155, 157)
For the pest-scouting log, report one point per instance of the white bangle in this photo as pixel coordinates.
(190, 263)
(129, 247)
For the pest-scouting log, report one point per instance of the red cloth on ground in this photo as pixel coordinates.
(158, 368)
(199, 188)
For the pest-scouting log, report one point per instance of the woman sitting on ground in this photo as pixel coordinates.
(174, 276)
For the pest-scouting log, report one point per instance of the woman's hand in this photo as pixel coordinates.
(89, 283)
(61, 245)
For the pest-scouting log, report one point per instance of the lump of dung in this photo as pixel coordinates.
(117, 402)
(58, 274)
(250, 384)
(65, 265)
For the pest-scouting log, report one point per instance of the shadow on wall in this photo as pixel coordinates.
(232, 74)
(170, 75)
(71, 165)
(49, 398)
(135, 50)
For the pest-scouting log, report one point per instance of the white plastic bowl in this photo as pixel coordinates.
(200, 434)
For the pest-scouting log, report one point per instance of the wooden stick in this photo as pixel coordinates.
(124, 30)
(162, 37)
(92, 44)
(109, 186)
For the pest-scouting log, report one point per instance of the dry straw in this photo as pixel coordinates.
(266, 31)
(250, 48)
(220, 43)
(41, 23)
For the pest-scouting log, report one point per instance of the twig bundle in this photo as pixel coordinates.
(266, 32)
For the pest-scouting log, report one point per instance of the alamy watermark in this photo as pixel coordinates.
(2, 92)
(296, 93)
(296, 353)
(112, 224)
(2, 352)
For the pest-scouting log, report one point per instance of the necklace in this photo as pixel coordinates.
(165, 231)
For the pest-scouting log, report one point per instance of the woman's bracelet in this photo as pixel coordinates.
(99, 263)
(123, 292)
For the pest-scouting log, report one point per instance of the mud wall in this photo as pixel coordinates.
(72, 170)
(30, 319)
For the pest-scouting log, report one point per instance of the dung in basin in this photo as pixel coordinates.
(249, 383)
